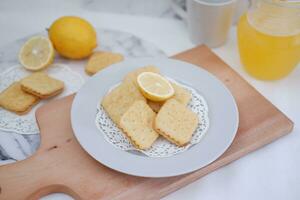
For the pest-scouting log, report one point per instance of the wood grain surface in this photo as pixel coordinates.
(61, 165)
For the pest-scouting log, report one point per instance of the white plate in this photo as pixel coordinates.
(223, 115)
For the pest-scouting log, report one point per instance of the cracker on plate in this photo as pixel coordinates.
(100, 59)
(117, 101)
(42, 85)
(137, 124)
(182, 95)
(175, 122)
(16, 100)
(132, 76)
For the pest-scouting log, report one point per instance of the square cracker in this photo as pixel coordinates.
(137, 123)
(182, 95)
(176, 122)
(16, 100)
(42, 85)
(99, 60)
(117, 101)
(132, 76)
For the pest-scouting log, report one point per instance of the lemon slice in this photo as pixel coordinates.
(37, 53)
(154, 86)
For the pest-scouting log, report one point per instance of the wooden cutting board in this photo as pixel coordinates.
(61, 165)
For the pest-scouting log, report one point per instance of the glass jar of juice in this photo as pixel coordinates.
(269, 38)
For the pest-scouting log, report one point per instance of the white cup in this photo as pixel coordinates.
(208, 20)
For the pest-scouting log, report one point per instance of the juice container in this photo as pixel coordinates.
(269, 38)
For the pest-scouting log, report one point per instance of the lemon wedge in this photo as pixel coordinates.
(154, 86)
(37, 53)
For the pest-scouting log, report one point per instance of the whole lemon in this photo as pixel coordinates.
(73, 37)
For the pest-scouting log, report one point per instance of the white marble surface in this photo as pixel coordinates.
(17, 147)
(134, 7)
(269, 173)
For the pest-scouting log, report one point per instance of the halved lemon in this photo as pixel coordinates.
(37, 53)
(154, 86)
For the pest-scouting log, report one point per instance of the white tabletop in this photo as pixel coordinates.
(272, 172)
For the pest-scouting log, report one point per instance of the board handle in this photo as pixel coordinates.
(29, 179)
(53, 189)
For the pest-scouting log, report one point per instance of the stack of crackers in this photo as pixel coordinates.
(143, 120)
(21, 96)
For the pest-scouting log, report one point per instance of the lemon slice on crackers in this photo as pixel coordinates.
(37, 53)
(154, 86)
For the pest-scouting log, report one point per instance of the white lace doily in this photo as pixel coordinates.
(161, 147)
(26, 124)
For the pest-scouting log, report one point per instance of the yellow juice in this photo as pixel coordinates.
(267, 55)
